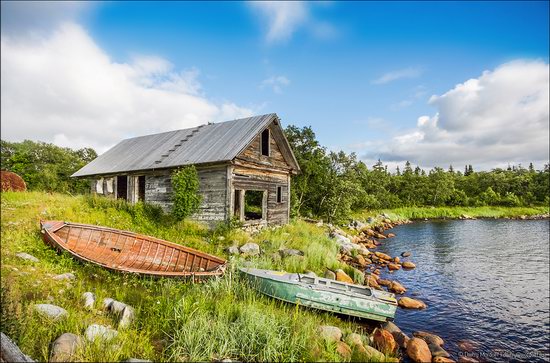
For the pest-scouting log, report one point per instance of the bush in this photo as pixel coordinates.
(186, 198)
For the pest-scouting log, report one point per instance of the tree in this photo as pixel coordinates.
(185, 192)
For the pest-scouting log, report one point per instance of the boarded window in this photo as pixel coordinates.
(109, 183)
(99, 186)
(279, 194)
(265, 142)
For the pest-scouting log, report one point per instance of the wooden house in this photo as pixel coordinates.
(244, 167)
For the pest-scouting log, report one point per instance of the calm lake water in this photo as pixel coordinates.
(483, 280)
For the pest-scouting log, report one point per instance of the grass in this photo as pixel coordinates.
(413, 213)
(176, 320)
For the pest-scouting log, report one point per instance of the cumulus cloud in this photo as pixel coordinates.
(398, 74)
(276, 83)
(65, 89)
(498, 118)
(284, 18)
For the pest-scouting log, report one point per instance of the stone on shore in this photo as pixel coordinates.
(390, 235)
(233, 250)
(360, 260)
(393, 267)
(372, 354)
(383, 341)
(409, 303)
(396, 259)
(53, 312)
(127, 317)
(418, 351)
(64, 347)
(429, 337)
(287, 252)
(384, 282)
(330, 333)
(354, 339)
(330, 275)
(96, 331)
(397, 288)
(342, 276)
(65, 276)
(408, 265)
(405, 254)
(26, 256)
(436, 350)
(442, 360)
(400, 338)
(89, 300)
(382, 256)
(343, 349)
(372, 281)
(250, 249)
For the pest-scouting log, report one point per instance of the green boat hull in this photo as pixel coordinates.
(324, 294)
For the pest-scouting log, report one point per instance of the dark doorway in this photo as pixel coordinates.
(253, 205)
(122, 187)
(141, 188)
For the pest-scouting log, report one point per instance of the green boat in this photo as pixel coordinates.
(324, 294)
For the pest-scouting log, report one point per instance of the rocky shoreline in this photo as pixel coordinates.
(357, 249)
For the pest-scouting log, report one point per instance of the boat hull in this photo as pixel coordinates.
(323, 294)
(126, 251)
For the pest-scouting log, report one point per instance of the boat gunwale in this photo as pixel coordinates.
(371, 297)
(58, 243)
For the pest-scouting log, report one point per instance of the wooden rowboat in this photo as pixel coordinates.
(129, 252)
(324, 294)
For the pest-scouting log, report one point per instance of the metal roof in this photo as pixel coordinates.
(216, 142)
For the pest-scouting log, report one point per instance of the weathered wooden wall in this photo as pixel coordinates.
(105, 190)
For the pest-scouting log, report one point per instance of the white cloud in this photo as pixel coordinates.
(284, 18)
(398, 74)
(498, 118)
(276, 83)
(65, 89)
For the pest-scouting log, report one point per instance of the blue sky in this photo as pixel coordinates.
(360, 73)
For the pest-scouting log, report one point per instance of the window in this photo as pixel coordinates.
(279, 194)
(264, 145)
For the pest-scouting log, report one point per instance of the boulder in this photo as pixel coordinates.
(418, 350)
(65, 276)
(400, 338)
(107, 303)
(409, 303)
(383, 341)
(232, 250)
(390, 235)
(371, 281)
(393, 266)
(341, 240)
(383, 256)
(408, 265)
(342, 276)
(354, 339)
(26, 256)
(128, 316)
(96, 331)
(330, 333)
(360, 260)
(64, 347)
(405, 254)
(396, 259)
(442, 360)
(376, 271)
(117, 307)
(330, 275)
(53, 312)
(290, 252)
(429, 337)
(250, 248)
(89, 300)
(396, 287)
(372, 354)
(343, 349)
(384, 282)
(467, 345)
(436, 350)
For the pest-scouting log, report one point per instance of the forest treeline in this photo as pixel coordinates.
(331, 185)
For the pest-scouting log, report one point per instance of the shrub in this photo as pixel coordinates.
(186, 198)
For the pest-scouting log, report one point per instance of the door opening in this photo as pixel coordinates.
(122, 187)
(141, 188)
(254, 205)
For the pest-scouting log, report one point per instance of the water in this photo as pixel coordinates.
(483, 280)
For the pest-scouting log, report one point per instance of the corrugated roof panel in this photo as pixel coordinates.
(203, 144)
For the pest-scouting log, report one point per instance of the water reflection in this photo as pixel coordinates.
(485, 280)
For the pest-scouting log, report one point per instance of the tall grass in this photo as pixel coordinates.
(176, 320)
